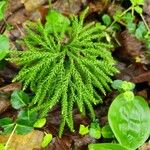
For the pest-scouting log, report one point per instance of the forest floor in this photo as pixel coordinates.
(132, 61)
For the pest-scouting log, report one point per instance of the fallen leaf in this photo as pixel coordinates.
(60, 144)
(144, 77)
(24, 142)
(10, 87)
(130, 47)
(82, 142)
(143, 93)
(69, 7)
(131, 72)
(4, 104)
(31, 5)
(98, 6)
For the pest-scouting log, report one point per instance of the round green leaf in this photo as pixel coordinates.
(19, 99)
(127, 86)
(116, 84)
(40, 123)
(4, 42)
(123, 85)
(138, 9)
(46, 140)
(128, 17)
(5, 121)
(7, 124)
(4, 46)
(26, 118)
(95, 131)
(2, 146)
(106, 19)
(107, 146)
(130, 120)
(147, 43)
(131, 27)
(137, 2)
(56, 22)
(141, 31)
(23, 129)
(8, 128)
(107, 132)
(2, 9)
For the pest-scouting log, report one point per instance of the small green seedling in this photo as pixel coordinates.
(25, 120)
(107, 132)
(95, 130)
(46, 140)
(3, 4)
(2, 146)
(40, 123)
(4, 46)
(123, 86)
(83, 130)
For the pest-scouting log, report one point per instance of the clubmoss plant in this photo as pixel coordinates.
(66, 62)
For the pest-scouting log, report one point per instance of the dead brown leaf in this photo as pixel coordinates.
(129, 73)
(24, 142)
(69, 7)
(63, 143)
(31, 5)
(11, 87)
(144, 77)
(4, 104)
(130, 47)
(98, 6)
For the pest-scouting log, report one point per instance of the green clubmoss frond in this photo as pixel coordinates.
(72, 67)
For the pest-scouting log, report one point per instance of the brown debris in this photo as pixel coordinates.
(4, 104)
(7, 73)
(11, 87)
(24, 142)
(69, 7)
(31, 5)
(129, 73)
(60, 144)
(145, 146)
(144, 77)
(146, 8)
(113, 8)
(130, 47)
(143, 93)
(82, 142)
(98, 6)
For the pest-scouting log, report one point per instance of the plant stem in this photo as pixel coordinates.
(145, 22)
(123, 13)
(10, 137)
